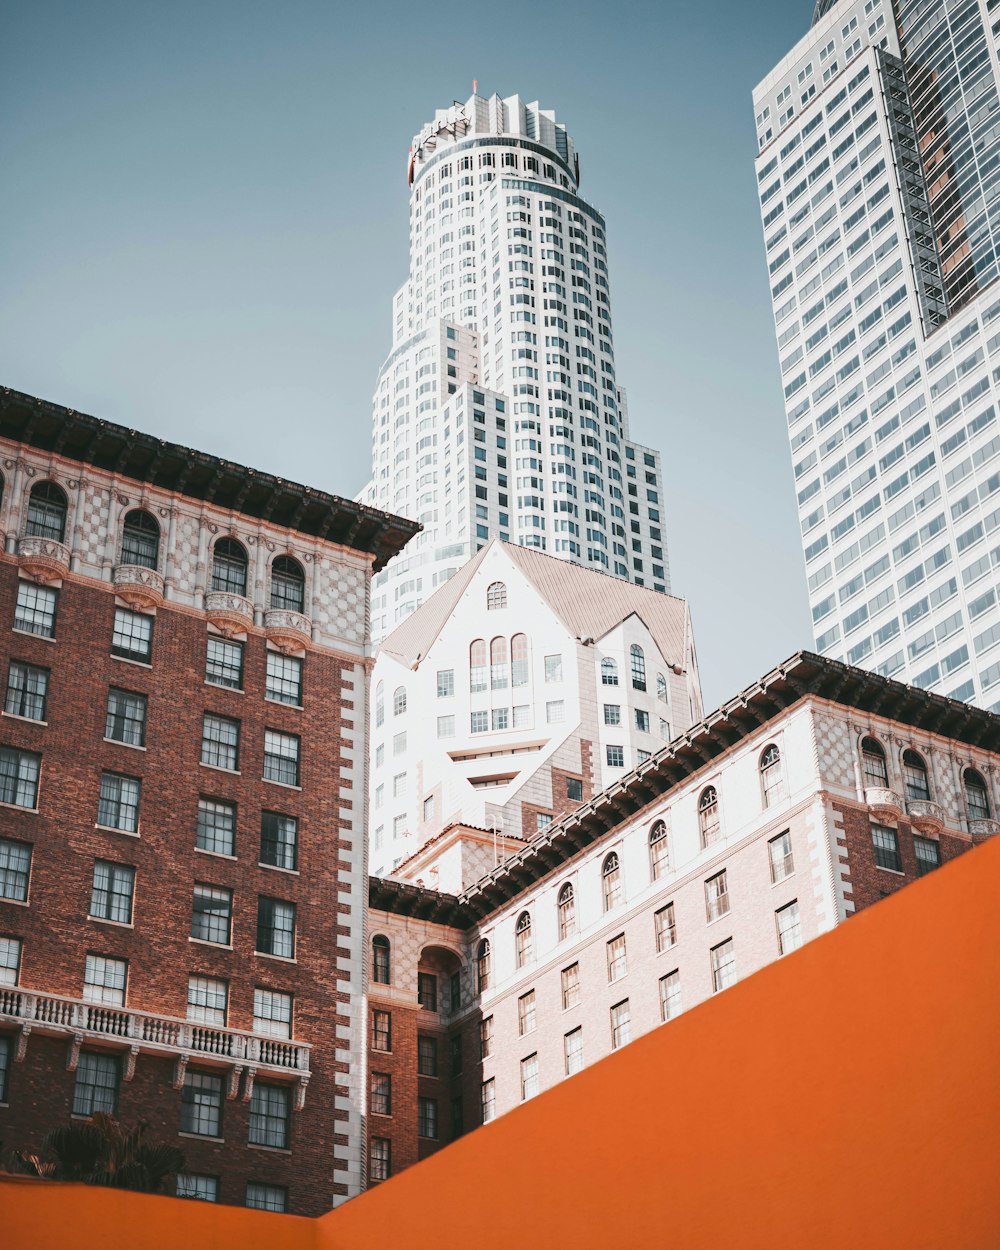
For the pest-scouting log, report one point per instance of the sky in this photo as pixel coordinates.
(204, 217)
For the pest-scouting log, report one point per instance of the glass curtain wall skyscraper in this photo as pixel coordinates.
(878, 175)
(498, 412)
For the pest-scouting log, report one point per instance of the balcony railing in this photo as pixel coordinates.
(138, 585)
(43, 558)
(886, 804)
(287, 629)
(984, 827)
(925, 815)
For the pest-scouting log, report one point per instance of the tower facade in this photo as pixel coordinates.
(878, 173)
(498, 414)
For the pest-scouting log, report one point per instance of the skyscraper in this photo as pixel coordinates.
(497, 412)
(878, 176)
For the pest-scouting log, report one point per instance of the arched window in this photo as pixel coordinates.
(399, 701)
(523, 946)
(483, 968)
(977, 798)
(638, 661)
(873, 764)
(661, 687)
(478, 656)
(609, 672)
(380, 703)
(498, 664)
(659, 851)
(47, 512)
(772, 775)
(611, 877)
(381, 960)
(708, 815)
(288, 585)
(566, 907)
(229, 567)
(915, 776)
(496, 596)
(519, 660)
(141, 539)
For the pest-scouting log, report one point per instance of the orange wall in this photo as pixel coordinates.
(846, 1094)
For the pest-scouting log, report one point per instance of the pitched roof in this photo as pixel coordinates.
(589, 603)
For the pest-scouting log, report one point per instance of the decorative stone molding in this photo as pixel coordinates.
(22, 1043)
(886, 805)
(299, 1100)
(925, 815)
(230, 614)
(180, 1067)
(233, 1082)
(128, 1071)
(248, 1084)
(43, 558)
(984, 827)
(287, 630)
(73, 1053)
(138, 586)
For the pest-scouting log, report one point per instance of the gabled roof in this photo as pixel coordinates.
(589, 603)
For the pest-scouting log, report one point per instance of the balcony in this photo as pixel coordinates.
(984, 827)
(925, 816)
(139, 586)
(43, 558)
(886, 805)
(232, 614)
(287, 630)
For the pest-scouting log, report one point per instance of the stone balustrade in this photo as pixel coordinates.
(42, 558)
(140, 586)
(886, 805)
(925, 815)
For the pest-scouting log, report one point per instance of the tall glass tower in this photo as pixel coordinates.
(879, 182)
(498, 412)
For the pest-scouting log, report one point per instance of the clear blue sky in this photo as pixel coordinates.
(204, 217)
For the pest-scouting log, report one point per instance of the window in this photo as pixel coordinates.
(616, 757)
(574, 789)
(789, 928)
(272, 1013)
(224, 663)
(611, 879)
(665, 928)
(555, 712)
(478, 656)
(526, 1013)
(399, 701)
(772, 777)
(132, 637)
(126, 719)
(229, 567)
(670, 995)
(96, 1085)
(381, 961)
(46, 512)
(399, 743)
(498, 664)
(446, 683)
(483, 965)
(523, 945)
(573, 1051)
(928, 855)
(270, 1108)
(379, 705)
(708, 816)
(873, 764)
(35, 612)
(570, 986)
(266, 1197)
(446, 726)
(201, 1104)
(111, 893)
(496, 596)
(216, 830)
(19, 777)
(723, 966)
(279, 840)
(641, 720)
(638, 665)
(194, 1185)
(485, 1037)
(915, 776)
(779, 850)
(118, 806)
(566, 907)
(104, 980)
(553, 668)
(886, 846)
(427, 990)
(220, 742)
(519, 660)
(661, 687)
(617, 962)
(621, 1025)
(207, 1000)
(288, 585)
(5, 1060)
(275, 927)
(659, 851)
(488, 1099)
(529, 1077)
(976, 795)
(456, 1051)
(141, 540)
(10, 963)
(379, 1159)
(212, 914)
(427, 1055)
(380, 1093)
(281, 757)
(609, 672)
(27, 690)
(716, 896)
(381, 1030)
(427, 1118)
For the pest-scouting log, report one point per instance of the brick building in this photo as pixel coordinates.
(811, 795)
(185, 652)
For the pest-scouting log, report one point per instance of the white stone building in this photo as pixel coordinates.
(522, 687)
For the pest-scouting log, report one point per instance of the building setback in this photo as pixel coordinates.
(811, 795)
(878, 169)
(185, 654)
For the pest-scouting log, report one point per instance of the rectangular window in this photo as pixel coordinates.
(212, 914)
(486, 1037)
(275, 928)
(670, 995)
(380, 1093)
(207, 1000)
(928, 855)
(570, 986)
(220, 742)
(194, 1185)
(529, 1077)
(35, 612)
(118, 805)
(266, 1197)
(446, 726)
(19, 777)
(224, 663)
(526, 1013)
(279, 839)
(427, 1055)
(216, 830)
(780, 852)
(612, 714)
(553, 668)
(399, 743)
(132, 638)
(5, 1061)
(111, 895)
(555, 711)
(427, 990)
(201, 1104)
(379, 1159)
(427, 1118)
(488, 1098)
(446, 683)
(616, 757)
(284, 678)
(573, 1051)
(716, 896)
(270, 1112)
(574, 789)
(665, 927)
(501, 718)
(789, 928)
(96, 1085)
(281, 757)
(617, 963)
(621, 1024)
(10, 961)
(27, 691)
(723, 966)
(381, 1030)
(272, 1013)
(126, 719)
(886, 846)
(104, 980)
